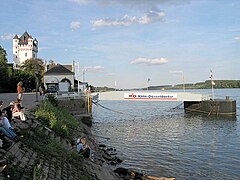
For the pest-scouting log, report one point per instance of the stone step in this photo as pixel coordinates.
(35, 124)
(58, 139)
(51, 135)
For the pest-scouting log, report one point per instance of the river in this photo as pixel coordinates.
(158, 140)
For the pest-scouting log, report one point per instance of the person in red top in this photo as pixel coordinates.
(19, 91)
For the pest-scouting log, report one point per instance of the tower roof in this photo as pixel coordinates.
(24, 38)
(15, 37)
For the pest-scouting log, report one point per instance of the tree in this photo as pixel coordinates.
(3, 68)
(3, 56)
(34, 64)
(28, 79)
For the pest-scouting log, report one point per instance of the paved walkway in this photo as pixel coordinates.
(29, 99)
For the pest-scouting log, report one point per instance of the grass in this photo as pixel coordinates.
(60, 120)
(47, 149)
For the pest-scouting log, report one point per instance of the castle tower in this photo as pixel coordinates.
(24, 48)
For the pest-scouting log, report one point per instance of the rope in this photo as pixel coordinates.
(178, 106)
(119, 112)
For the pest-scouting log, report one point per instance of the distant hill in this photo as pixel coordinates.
(201, 85)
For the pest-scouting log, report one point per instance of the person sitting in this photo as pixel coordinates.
(8, 110)
(5, 122)
(4, 130)
(17, 110)
(1, 103)
(83, 148)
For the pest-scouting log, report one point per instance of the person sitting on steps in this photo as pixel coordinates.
(83, 148)
(8, 132)
(8, 110)
(17, 110)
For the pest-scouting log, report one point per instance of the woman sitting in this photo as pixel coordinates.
(17, 110)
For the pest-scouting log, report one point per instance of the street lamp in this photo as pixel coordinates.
(183, 81)
(84, 71)
(177, 72)
(36, 74)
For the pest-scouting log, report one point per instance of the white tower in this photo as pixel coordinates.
(24, 48)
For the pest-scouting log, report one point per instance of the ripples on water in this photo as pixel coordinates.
(153, 138)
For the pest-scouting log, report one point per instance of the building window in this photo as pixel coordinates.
(33, 55)
(16, 52)
(25, 54)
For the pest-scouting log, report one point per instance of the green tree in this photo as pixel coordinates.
(28, 79)
(3, 68)
(34, 64)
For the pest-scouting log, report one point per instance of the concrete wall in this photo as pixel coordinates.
(78, 108)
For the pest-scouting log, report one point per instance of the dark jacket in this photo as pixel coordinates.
(9, 112)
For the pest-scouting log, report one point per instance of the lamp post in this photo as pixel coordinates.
(36, 74)
(183, 82)
(84, 70)
(178, 72)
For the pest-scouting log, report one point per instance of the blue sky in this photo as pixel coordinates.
(125, 42)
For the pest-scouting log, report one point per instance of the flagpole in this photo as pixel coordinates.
(212, 90)
(78, 74)
(148, 80)
(212, 83)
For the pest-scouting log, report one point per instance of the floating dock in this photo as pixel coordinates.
(217, 107)
(193, 102)
(151, 96)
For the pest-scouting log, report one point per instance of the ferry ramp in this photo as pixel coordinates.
(150, 96)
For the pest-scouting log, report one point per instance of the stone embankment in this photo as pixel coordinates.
(25, 162)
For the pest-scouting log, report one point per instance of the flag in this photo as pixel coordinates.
(211, 77)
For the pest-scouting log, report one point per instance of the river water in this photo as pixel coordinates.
(160, 141)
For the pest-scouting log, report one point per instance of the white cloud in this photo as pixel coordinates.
(94, 69)
(154, 61)
(131, 3)
(80, 1)
(75, 25)
(176, 72)
(110, 74)
(147, 18)
(237, 38)
(7, 36)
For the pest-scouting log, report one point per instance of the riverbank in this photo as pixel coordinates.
(44, 154)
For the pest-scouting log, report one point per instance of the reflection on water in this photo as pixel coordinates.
(154, 138)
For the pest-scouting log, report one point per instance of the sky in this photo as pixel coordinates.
(131, 43)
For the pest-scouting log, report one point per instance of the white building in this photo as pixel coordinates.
(57, 74)
(24, 48)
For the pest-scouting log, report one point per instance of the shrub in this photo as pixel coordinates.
(52, 99)
(57, 119)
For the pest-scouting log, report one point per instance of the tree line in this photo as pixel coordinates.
(201, 85)
(30, 73)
